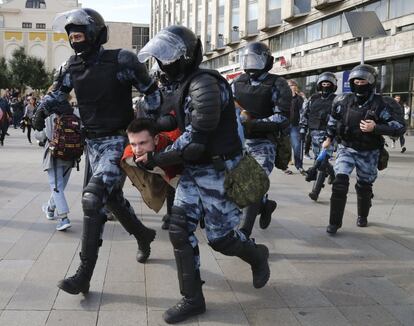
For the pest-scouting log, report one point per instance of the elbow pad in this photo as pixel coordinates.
(163, 159)
(206, 103)
(194, 150)
(166, 122)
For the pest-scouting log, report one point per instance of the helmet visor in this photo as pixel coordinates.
(75, 17)
(252, 60)
(362, 74)
(165, 46)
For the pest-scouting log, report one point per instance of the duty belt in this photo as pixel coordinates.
(96, 134)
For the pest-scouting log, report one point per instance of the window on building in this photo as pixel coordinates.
(385, 78)
(220, 23)
(140, 37)
(184, 12)
(209, 22)
(199, 17)
(331, 26)
(274, 12)
(1, 21)
(252, 16)
(26, 25)
(287, 41)
(400, 8)
(38, 4)
(401, 75)
(40, 26)
(299, 36)
(313, 32)
(380, 8)
(274, 43)
(190, 15)
(235, 20)
(301, 7)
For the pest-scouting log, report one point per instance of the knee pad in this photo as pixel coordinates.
(363, 188)
(93, 196)
(178, 230)
(340, 185)
(226, 245)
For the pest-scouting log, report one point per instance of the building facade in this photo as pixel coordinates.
(28, 24)
(306, 37)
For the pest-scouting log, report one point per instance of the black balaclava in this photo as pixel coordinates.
(326, 91)
(83, 48)
(362, 92)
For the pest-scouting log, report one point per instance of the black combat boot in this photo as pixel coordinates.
(126, 216)
(250, 213)
(267, 208)
(191, 304)
(91, 241)
(254, 254)
(338, 202)
(364, 202)
(318, 185)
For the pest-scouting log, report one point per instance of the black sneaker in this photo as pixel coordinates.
(403, 149)
(362, 222)
(331, 229)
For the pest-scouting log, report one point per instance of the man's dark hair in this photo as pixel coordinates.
(141, 124)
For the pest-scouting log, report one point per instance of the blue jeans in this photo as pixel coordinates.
(295, 142)
(57, 199)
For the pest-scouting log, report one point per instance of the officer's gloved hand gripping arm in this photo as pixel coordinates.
(205, 107)
(56, 100)
(387, 125)
(279, 121)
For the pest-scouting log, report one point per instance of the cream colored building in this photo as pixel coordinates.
(306, 37)
(28, 23)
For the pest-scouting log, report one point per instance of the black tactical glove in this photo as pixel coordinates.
(38, 120)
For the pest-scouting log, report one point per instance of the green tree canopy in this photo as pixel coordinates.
(4, 74)
(28, 71)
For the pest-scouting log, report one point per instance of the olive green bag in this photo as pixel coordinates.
(246, 183)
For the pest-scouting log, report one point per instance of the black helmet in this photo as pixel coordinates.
(85, 20)
(177, 50)
(366, 72)
(256, 58)
(327, 77)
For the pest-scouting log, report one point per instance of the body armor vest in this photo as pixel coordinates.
(224, 139)
(319, 111)
(104, 102)
(352, 114)
(257, 100)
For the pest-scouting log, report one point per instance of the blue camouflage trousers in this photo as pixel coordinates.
(104, 157)
(200, 192)
(318, 137)
(264, 152)
(365, 163)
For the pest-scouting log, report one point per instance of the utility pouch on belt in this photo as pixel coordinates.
(246, 183)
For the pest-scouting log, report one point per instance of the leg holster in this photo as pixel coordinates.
(364, 197)
(188, 276)
(338, 199)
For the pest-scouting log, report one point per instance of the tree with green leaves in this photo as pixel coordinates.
(28, 71)
(4, 74)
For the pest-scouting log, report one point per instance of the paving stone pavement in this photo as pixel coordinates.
(361, 276)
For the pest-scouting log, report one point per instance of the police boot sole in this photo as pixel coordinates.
(64, 286)
(264, 269)
(144, 246)
(266, 216)
(178, 318)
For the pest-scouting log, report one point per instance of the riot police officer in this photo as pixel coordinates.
(264, 100)
(358, 120)
(315, 116)
(207, 147)
(102, 80)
